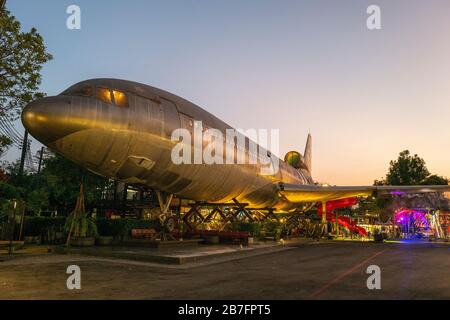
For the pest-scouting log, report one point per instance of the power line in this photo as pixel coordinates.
(7, 130)
(15, 142)
(19, 141)
(5, 150)
(5, 123)
(13, 129)
(7, 133)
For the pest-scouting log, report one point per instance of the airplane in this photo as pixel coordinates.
(122, 130)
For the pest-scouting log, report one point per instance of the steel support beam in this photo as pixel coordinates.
(324, 217)
(164, 204)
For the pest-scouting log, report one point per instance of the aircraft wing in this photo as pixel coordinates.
(316, 193)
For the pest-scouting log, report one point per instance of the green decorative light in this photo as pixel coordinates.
(294, 159)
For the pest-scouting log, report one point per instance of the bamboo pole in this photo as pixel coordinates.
(79, 208)
(21, 221)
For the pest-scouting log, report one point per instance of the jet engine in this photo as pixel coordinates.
(295, 160)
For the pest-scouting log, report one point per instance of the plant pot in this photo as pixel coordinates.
(28, 239)
(82, 242)
(37, 239)
(104, 240)
(212, 240)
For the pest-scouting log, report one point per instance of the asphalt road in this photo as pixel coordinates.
(319, 271)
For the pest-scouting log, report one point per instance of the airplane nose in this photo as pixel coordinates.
(46, 119)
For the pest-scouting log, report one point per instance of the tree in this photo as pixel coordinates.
(22, 55)
(406, 170)
(56, 187)
(409, 170)
(5, 142)
(8, 191)
(61, 180)
(434, 179)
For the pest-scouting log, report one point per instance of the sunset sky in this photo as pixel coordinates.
(300, 66)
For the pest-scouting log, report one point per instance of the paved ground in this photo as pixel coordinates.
(308, 271)
(182, 254)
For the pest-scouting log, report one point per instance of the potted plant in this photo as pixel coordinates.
(105, 231)
(80, 226)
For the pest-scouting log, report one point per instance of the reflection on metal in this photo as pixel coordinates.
(133, 144)
(316, 193)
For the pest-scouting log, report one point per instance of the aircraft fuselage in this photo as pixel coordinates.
(131, 141)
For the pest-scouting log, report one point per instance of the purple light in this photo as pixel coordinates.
(407, 218)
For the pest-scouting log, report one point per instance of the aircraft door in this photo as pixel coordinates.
(171, 117)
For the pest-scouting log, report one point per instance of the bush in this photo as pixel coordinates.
(108, 227)
(253, 228)
(123, 227)
(274, 228)
(80, 224)
(36, 226)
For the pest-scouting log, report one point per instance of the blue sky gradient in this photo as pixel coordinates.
(294, 65)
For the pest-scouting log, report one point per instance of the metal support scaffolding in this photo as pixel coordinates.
(193, 218)
(167, 219)
(164, 203)
(224, 214)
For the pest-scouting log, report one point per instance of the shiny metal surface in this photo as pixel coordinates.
(315, 193)
(133, 144)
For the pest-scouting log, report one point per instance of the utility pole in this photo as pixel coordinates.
(24, 152)
(41, 153)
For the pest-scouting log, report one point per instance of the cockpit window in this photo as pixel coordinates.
(120, 98)
(83, 91)
(104, 94)
(86, 91)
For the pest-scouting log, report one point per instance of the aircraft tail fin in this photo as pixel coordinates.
(308, 153)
